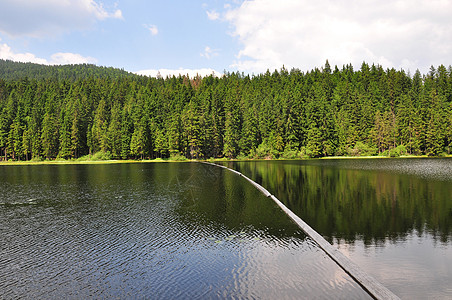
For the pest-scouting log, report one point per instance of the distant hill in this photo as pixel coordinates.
(10, 70)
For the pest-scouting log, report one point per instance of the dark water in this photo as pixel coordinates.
(393, 217)
(154, 231)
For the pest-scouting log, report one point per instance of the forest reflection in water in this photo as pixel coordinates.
(391, 216)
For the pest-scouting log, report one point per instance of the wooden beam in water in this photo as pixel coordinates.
(374, 288)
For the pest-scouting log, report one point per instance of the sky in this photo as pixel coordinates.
(213, 36)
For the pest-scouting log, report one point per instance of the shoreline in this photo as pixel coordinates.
(159, 160)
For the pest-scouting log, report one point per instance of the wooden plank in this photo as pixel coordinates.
(374, 288)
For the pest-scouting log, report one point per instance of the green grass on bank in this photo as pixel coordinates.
(105, 159)
(83, 162)
(96, 158)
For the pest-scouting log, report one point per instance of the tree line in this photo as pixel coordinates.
(288, 114)
(11, 70)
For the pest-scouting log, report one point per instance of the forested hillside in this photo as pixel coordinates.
(289, 114)
(10, 70)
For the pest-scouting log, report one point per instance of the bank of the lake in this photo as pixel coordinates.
(216, 160)
(85, 162)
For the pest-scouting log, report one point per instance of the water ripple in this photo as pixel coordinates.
(149, 233)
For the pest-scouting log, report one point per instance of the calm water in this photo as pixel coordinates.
(156, 230)
(393, 217)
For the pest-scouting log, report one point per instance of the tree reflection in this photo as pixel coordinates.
(350, 203)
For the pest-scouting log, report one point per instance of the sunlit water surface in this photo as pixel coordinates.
(153, 231)
(393, 217)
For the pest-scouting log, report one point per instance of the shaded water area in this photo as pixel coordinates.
(154, 231)
(393, 217)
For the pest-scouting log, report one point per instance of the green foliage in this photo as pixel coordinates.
(98, 156)
(37, 159)
(10, 70)
(101, 155)
(362, 149)
(398, 151)
(241, 156)
(290, 154)
(177, 157)
(304, 153)
(268, 149)
(68, 112)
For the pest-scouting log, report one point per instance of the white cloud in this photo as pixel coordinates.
(170, 72)
(7, 53)
(152, 29)
(209, 52)
(212, 15)
(56, 59)
(303, 34)
(65, 58)
(49, 17)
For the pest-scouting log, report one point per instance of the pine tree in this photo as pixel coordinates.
(15, 136)
(250, 135)
(4, 129)
(174, 135)
(449, 128)
(139, 140)
(99, 128)
(192, 132)
(65, 135)
(49, 135)
(161, 143)
(77, 129)
(314, 141)
(114, 131)
(322, 111)
(232, 123)
(27, 138)
(436, 127)
(126, 133)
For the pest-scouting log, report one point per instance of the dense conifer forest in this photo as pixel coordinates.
(49, 112)
(10, 70)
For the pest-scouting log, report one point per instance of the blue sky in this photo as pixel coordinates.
(211, 35)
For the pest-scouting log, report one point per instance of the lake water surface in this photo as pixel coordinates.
(393, 217)
(165, 231)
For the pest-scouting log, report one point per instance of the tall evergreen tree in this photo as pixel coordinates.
(436, 127)
(326, 111)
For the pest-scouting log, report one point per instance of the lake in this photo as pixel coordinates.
(169, 231)
(393, 217)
